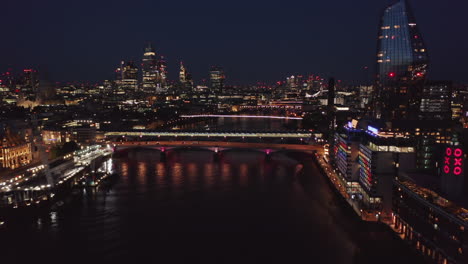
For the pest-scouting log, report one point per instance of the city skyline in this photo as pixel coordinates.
(264, 52)
(260, 133)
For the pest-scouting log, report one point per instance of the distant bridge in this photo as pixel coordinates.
(244, 116)
(224, 134)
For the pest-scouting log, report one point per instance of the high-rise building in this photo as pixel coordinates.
(127, 76)
(217, 79)
(185, 78)
(182, 73)
(435, 101)
(29, 81)
(402, 64)
(162, 74)
(150, 69)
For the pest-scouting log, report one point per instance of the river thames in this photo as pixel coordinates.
(196, 207)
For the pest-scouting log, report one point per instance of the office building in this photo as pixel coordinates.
(382, 156)
(217, 79)
(162, 74)
(436, 101)
(127, 76)
(149, 70)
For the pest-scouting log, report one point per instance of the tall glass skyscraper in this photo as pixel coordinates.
(150, 69)
(402, 64)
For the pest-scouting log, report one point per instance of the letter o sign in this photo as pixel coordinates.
(458, 152)
(446, 169)
(457, 171)
(448, 152)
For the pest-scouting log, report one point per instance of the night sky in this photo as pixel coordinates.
(253, 40)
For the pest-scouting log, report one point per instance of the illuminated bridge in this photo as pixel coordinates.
(244, 116)
(205, 134)
(215, 146)
(216, 141)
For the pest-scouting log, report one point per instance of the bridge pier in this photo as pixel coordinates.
(216, 154)
(162, 155)
(268, 155)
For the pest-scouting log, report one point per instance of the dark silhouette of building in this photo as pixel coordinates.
(217, 79)
(331, 116)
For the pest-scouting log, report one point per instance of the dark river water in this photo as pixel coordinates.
(195, 207)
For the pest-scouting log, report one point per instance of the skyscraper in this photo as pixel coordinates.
(182, 73)
(127, 76)
(29, 81)
(217, 79)
(162, 74)
(150, 69)
(402, 64)
(185, 78)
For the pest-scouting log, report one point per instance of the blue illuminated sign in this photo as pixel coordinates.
(373, 130)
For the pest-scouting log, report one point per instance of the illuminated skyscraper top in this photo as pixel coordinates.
(182, 73)
(402, 63)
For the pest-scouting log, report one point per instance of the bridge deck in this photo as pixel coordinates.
(220, 144)
(209, 133)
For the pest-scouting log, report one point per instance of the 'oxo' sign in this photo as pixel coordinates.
(453, 161)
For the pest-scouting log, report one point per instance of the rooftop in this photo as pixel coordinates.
(436, 200)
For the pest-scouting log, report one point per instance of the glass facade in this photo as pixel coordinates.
(402, 64)
(150, 69)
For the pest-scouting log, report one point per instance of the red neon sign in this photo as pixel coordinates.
(454, 167)
(447, 160)
(446, 169)
(448, 152)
